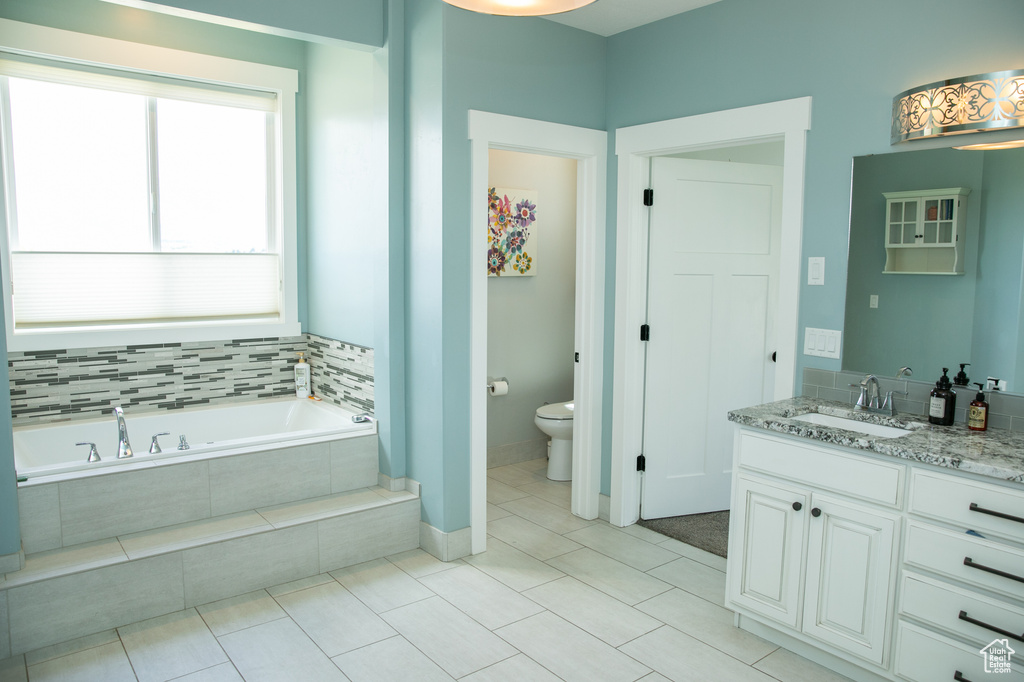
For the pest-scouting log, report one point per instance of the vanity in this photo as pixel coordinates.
(882, 547)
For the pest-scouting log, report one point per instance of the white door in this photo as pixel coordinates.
(712, 289)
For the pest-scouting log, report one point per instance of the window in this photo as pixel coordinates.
(145, 205)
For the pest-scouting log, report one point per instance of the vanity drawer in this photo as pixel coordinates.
(951, 498)
(977, 618)
(820, 467)
(923, 656)
(948, 553)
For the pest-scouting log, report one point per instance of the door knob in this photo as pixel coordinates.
(815, 512)
(797, 506)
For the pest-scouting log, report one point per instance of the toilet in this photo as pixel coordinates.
(556, 421)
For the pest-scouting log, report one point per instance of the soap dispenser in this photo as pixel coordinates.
(943, 401)
(961, 378)
(977, 416)
(301, 377)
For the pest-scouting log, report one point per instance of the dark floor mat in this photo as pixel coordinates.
(709, 532)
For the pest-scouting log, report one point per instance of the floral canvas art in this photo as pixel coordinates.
(511, 232)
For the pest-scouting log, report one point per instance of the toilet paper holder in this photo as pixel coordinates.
(490, 386)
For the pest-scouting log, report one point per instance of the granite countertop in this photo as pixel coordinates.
(998, 453)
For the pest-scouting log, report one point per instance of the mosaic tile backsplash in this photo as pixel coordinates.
(85, 383)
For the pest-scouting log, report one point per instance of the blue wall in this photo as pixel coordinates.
(459, 61)
(851, 58)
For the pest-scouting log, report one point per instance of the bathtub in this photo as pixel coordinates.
(50, 450)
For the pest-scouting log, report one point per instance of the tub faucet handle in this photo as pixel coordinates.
(182, 443)
(154, 447)
(94, 455)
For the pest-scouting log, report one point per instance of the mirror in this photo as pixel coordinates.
(933, 321)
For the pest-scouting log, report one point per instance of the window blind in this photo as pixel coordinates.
(53, 290)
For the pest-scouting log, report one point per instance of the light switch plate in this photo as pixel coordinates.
(823, 343)
(816, 271)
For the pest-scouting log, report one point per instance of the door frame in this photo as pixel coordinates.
(590, 149)
(788, 120)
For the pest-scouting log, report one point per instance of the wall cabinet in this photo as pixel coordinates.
(924, 231)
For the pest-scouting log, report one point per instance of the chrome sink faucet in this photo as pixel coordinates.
(870, 394)
(124, 447)
(869, 391)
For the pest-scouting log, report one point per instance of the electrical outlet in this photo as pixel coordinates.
(993, 384)
(873, 301)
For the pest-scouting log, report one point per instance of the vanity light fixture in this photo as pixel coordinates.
(519, 8)
(990, 101)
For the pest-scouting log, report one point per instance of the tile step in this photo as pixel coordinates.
(73, 559)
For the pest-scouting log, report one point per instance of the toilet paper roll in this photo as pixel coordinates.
(498, 388)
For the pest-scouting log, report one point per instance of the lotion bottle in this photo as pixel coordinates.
(977, 416)
(301, 377)
(943, 401)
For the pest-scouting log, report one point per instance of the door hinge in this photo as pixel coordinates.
(648, 197)
(645, 332)
(577, 357)
(641, 463)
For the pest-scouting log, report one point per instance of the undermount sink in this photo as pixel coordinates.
(866, 428)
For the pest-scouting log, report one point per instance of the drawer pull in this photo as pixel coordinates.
(980, 623)
(988, 569)
(959, 677)
(992, 512)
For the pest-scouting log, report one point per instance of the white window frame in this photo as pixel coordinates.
(40, 41)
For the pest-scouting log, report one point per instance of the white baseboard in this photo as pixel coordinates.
(445, 546)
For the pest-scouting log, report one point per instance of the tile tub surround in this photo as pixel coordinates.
(59, 385)
(81, 509)
(107, 550)
(997, 453)
(342, 372)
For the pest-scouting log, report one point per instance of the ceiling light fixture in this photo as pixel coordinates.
(519, 8)
(990, 101)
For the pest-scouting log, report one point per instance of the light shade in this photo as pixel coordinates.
(519, 8)
(990, 101)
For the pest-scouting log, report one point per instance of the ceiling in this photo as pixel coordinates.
(608, 17)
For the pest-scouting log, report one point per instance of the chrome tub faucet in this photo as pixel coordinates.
(124, 446)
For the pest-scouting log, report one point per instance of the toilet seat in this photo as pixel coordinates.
(556, 411)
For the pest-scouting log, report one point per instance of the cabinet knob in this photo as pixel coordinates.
(797, 506)
(815, 512)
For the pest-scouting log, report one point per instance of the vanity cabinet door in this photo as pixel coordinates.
(850, 575)
(766, 544)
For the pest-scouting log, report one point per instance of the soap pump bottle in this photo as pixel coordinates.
(961, 378)
(977, 416)
(301, 377)
(943, 401)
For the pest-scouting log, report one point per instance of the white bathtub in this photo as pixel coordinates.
(50, 449)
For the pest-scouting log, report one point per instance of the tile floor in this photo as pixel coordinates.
(553, 598)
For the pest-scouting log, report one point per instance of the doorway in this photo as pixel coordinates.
(530, 299)
(787, 121)
(589, 148)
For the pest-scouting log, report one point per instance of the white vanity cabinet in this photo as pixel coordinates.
(813, 537)
(924, 231)
(879, 567)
